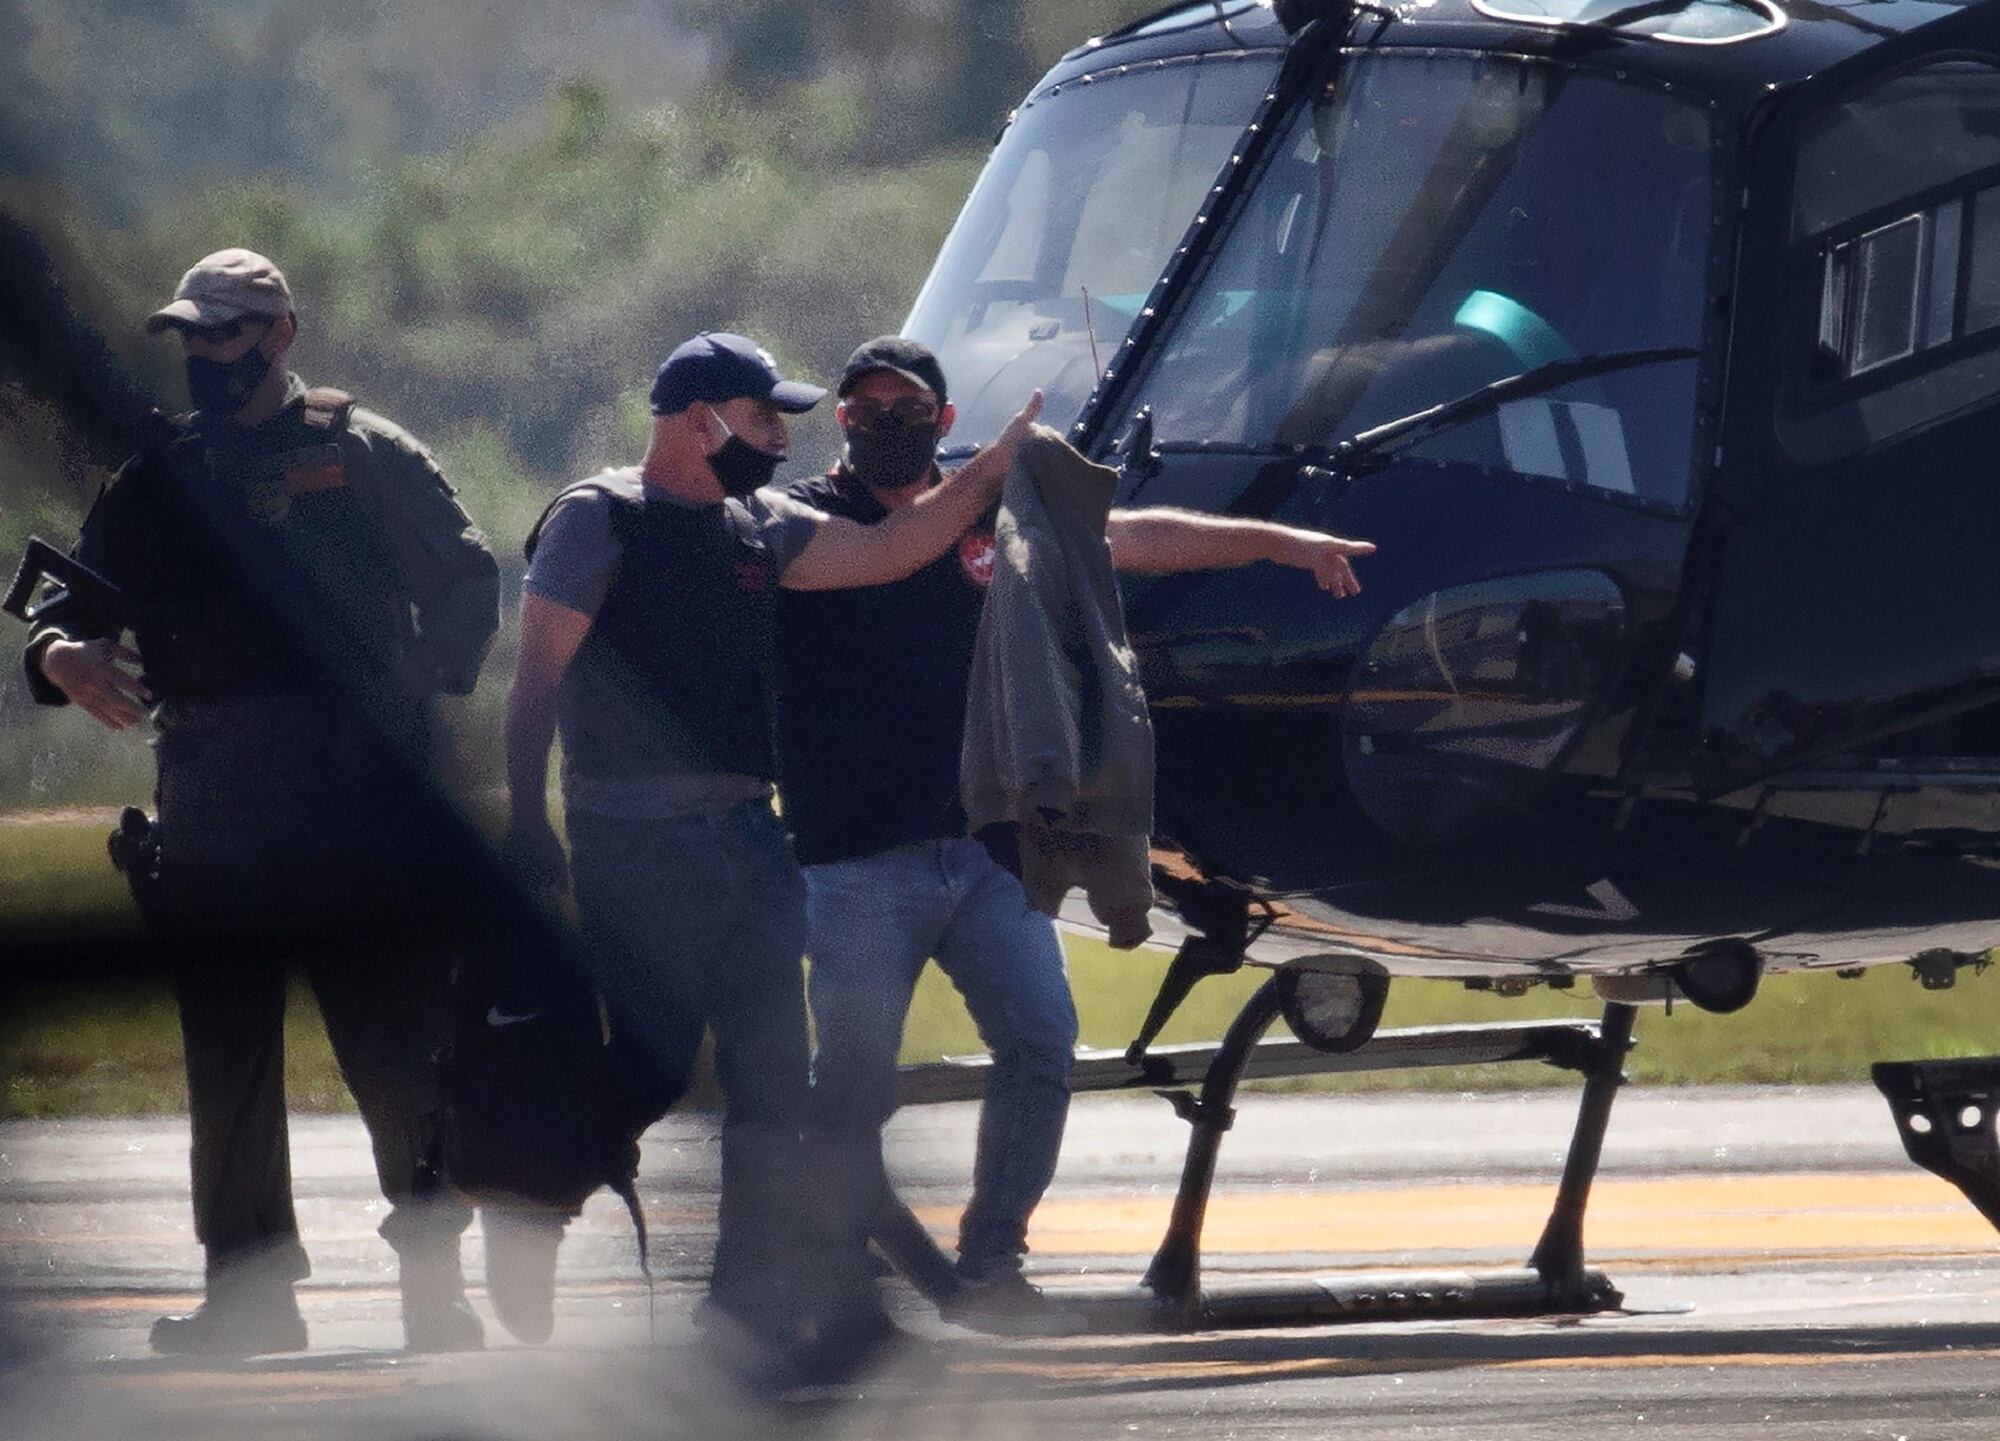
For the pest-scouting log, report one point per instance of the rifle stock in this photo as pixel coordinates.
(74, 592)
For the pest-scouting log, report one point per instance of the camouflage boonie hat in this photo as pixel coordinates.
(226, 286)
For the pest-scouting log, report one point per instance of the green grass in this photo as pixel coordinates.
(114, 1049)
(1800, 1029)
(56, 880)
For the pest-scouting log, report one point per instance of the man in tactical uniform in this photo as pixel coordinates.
(872, 696)
(647, 633)
(301, 584)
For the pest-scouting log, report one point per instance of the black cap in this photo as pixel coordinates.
(911, 359)
(716, 366)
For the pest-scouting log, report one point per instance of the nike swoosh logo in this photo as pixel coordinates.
(495, 1017)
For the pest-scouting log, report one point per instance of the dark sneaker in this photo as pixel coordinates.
(1000, 1301)
(521, 1269)
(235, 1323)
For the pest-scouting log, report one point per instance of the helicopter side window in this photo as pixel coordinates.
(1070, 225)
(1918, 131)
(1982, 279)
(1918, 283)
(1870, 294)
(1897, 206)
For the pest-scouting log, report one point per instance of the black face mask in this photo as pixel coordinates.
(219, 387)
(739, 466)
(892, 455)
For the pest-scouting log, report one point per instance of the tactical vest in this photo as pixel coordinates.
(267, 568)
(674, 676)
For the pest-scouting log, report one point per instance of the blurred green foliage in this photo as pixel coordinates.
(139, 100)
(507, 296)
(522, 286)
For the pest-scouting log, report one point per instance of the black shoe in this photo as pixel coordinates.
(235, 1323)
(521, 1269)
(1000, 1301)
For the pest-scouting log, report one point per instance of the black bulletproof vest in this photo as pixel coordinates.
(261, 568)
(674, 676)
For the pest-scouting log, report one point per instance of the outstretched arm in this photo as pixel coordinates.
(843, 554)
(1159, 540)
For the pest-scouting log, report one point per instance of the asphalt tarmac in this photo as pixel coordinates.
(1785, 1270)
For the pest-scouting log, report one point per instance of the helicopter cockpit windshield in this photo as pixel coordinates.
(1071, 223)
(1436, 223)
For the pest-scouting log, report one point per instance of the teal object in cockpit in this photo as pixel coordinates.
(1531, 339)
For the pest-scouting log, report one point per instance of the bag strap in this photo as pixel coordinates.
(626, 1189)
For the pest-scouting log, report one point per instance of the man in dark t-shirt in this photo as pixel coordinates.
(871, 713)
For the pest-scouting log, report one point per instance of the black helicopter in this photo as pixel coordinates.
(1657, 345)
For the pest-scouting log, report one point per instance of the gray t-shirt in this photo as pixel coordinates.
(575, 561)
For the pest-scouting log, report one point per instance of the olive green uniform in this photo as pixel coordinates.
(303, 589)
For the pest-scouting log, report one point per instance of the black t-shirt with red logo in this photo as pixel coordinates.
(871, 694)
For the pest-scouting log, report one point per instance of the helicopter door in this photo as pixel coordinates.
(1434, 224)
(1852, 601)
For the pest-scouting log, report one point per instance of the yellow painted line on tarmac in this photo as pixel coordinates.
(153, 1302)
(1713, 1216)
(1684, 1219)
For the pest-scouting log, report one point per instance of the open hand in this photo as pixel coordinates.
(102, 677)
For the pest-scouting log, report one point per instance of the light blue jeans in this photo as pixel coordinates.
(873, 922)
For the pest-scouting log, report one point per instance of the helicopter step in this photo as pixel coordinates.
(963, 1078)
(1946, 1114)
(1337, 1299)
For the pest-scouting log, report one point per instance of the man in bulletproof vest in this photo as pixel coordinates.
(647, 634)
(871, 717)
(302, 584)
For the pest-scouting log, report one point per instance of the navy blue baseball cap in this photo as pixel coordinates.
(716, 366)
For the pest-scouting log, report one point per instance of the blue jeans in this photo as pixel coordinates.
(700, 922)
(874, 921)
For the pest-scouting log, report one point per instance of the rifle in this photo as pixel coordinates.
(74, 593)
(51, 588)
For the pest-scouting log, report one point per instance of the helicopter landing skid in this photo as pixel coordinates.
(1200, 1082)
(1555, 1281)
(1945, 1113)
